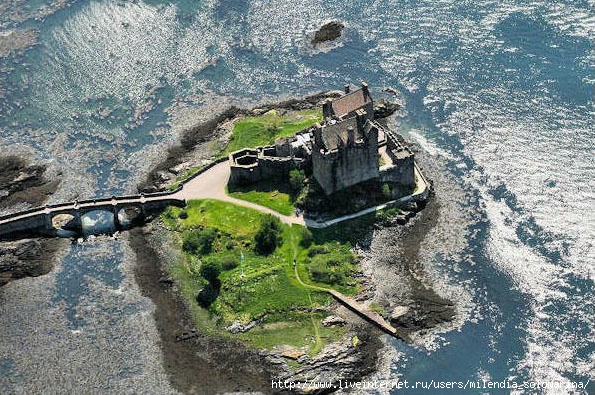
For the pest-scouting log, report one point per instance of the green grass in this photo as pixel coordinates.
(262, 287)
(297, 333)
(258, 131)
(216, 214)
(275, 200)
(183, 177)
(274, 195)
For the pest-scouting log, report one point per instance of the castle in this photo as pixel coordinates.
(347, 148)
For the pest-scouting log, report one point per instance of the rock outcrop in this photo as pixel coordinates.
(27, 258)
(328, 32)
(23, 183)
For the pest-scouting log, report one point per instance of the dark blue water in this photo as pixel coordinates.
(500, 94)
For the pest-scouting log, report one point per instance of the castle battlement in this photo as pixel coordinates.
(345, 149)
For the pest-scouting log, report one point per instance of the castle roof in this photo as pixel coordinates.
(351, 102)
(336, 134)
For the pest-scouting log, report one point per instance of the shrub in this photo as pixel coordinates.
(200, 242)
(229, 262)
(296, 180)
(317, 250)
(322, 271)
(385, 190)
(207, 295)
(183, 215)
(306, 238)
(330, 265)
(210, 270)
(268, 236)
(272, 121)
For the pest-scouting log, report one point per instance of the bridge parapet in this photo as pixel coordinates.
(39, 219)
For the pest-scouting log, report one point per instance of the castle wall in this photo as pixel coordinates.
(345, 167)
(356, 165)
(251, 169)
(323, 170)
(401, 171)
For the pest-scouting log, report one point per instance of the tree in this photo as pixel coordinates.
(272, 121)
(296, 180)
(307, 238)
(268, 236)
(207, 295)
(200, 242)
(210, 270)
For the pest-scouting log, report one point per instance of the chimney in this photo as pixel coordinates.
(360, 117)
(318, 135)
(347, 89)
(327, 109)
(365, 89)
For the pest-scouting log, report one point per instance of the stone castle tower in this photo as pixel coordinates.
(345, 152)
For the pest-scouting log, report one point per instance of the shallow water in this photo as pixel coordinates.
(500, 95)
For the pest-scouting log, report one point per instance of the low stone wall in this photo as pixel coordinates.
(250, 166)
(401, 171)
(264, 168)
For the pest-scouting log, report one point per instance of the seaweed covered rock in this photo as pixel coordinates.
(328, 32)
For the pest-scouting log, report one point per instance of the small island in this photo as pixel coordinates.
(266, 264)
(256, 249)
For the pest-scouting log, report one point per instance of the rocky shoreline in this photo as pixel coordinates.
(25, 185)
(196, 361)
(182, 157)
(191, 365)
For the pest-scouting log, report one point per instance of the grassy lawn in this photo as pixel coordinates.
(275, 200)
(297, 333)
(258, 131)
(260, 287)
(272, 194)
(215, 214)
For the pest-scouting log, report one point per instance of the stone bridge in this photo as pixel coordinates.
(51, 219)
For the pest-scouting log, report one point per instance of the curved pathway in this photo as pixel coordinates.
(360, 310)
(211, 185)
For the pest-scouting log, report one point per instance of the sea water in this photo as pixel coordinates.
(499, 93)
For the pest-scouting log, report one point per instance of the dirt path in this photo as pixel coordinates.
(211, 185)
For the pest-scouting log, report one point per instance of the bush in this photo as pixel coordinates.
(268, 236)
(317, 250)
(330, 265)
(229, 262)
(210, 270)
(296, 180)
(183, 215)
(322, 271)
(306, 238)
(200, 242)
(272, 121)
(386, 190)
(208, 295)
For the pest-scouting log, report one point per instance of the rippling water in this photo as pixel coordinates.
(500, 93)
